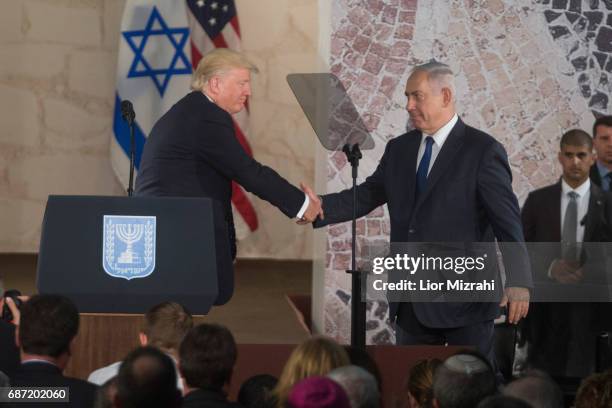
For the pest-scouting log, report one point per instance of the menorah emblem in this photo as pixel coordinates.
(128, 249)
(129, 233)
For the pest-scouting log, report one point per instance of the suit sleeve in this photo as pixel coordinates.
(502, 209)
(220, 148)
(338, 207)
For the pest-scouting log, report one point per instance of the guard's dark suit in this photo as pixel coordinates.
(560, 332)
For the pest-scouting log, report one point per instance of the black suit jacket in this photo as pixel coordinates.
(557, 330)
(9, 352)
(192, 151)
(207, 399)
(39, 374)
(541, 218)
(595, 176)
(468, 198)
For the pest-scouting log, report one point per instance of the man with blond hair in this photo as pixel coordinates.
(164, 327)
(193, 151)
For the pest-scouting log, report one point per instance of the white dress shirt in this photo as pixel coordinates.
(439, 138)
(584, 194)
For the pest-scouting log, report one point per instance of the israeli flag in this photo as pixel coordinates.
(153, 72)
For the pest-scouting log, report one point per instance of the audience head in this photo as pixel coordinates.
(463, 380)
(595, 391)
(361, 358)
(315, 356)
(106, 394)
(48, 325)
(419, 387)
(147, 378)
(207, 357)
(576, 156)
(537, 389)
(256, 392)
(317, 392)
(503, 401)
(360, 386)
(602, 139)
(165, 325)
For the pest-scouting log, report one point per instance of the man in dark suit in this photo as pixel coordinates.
(9, 358)
(443, 182)
(207, 357)
(193, 151)
(147, 378)
(601, 171)
(48, 326)
(574, 210)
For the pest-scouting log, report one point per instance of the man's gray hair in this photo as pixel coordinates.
(536, 388)
(440, 75)
(360, 386)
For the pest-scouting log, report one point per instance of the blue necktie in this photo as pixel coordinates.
(421, 177)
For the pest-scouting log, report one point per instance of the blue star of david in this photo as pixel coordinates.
(140, 67)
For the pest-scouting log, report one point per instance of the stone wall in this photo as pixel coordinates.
(57, 84)
(524, 75)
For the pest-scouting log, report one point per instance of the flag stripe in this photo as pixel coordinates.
(236, 25)
(122, 134)
(244, 207)
(219, 41)
(242, 139)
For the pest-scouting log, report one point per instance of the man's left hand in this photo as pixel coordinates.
(517, 300)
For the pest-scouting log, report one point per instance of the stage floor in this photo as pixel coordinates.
(257, 313)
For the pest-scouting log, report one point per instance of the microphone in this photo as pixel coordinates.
(127, 111)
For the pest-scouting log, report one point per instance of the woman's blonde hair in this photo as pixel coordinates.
(217, 62)
(316, 356)
(420, 381)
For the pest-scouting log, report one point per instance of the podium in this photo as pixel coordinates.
(127, 254)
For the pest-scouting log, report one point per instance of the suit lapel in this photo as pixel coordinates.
(554, 215)
(449, 150)
(593, 215)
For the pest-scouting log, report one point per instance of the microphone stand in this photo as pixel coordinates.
(358, 309)
(127, 113)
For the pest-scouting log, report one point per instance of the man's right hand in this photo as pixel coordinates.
(14, 309)
(314, 209)
(566, 272)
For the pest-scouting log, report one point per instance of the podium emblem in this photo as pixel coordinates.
(129, 246)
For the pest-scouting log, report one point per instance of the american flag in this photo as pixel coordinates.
(214, 24)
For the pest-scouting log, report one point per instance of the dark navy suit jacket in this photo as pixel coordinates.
(468, 198)
(192, 151)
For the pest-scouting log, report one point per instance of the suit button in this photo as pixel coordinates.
(412, 230)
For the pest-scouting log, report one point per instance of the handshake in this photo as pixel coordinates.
(314, 209)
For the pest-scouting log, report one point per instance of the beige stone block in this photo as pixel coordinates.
(261, 28)
(113, 11)
(21, 221)
(57, 23)
(73, 121)
(279, 67)
(32, 60)
(11, 20)
(93, 73)
(63, 173)
(19, 117)
(305, 18)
